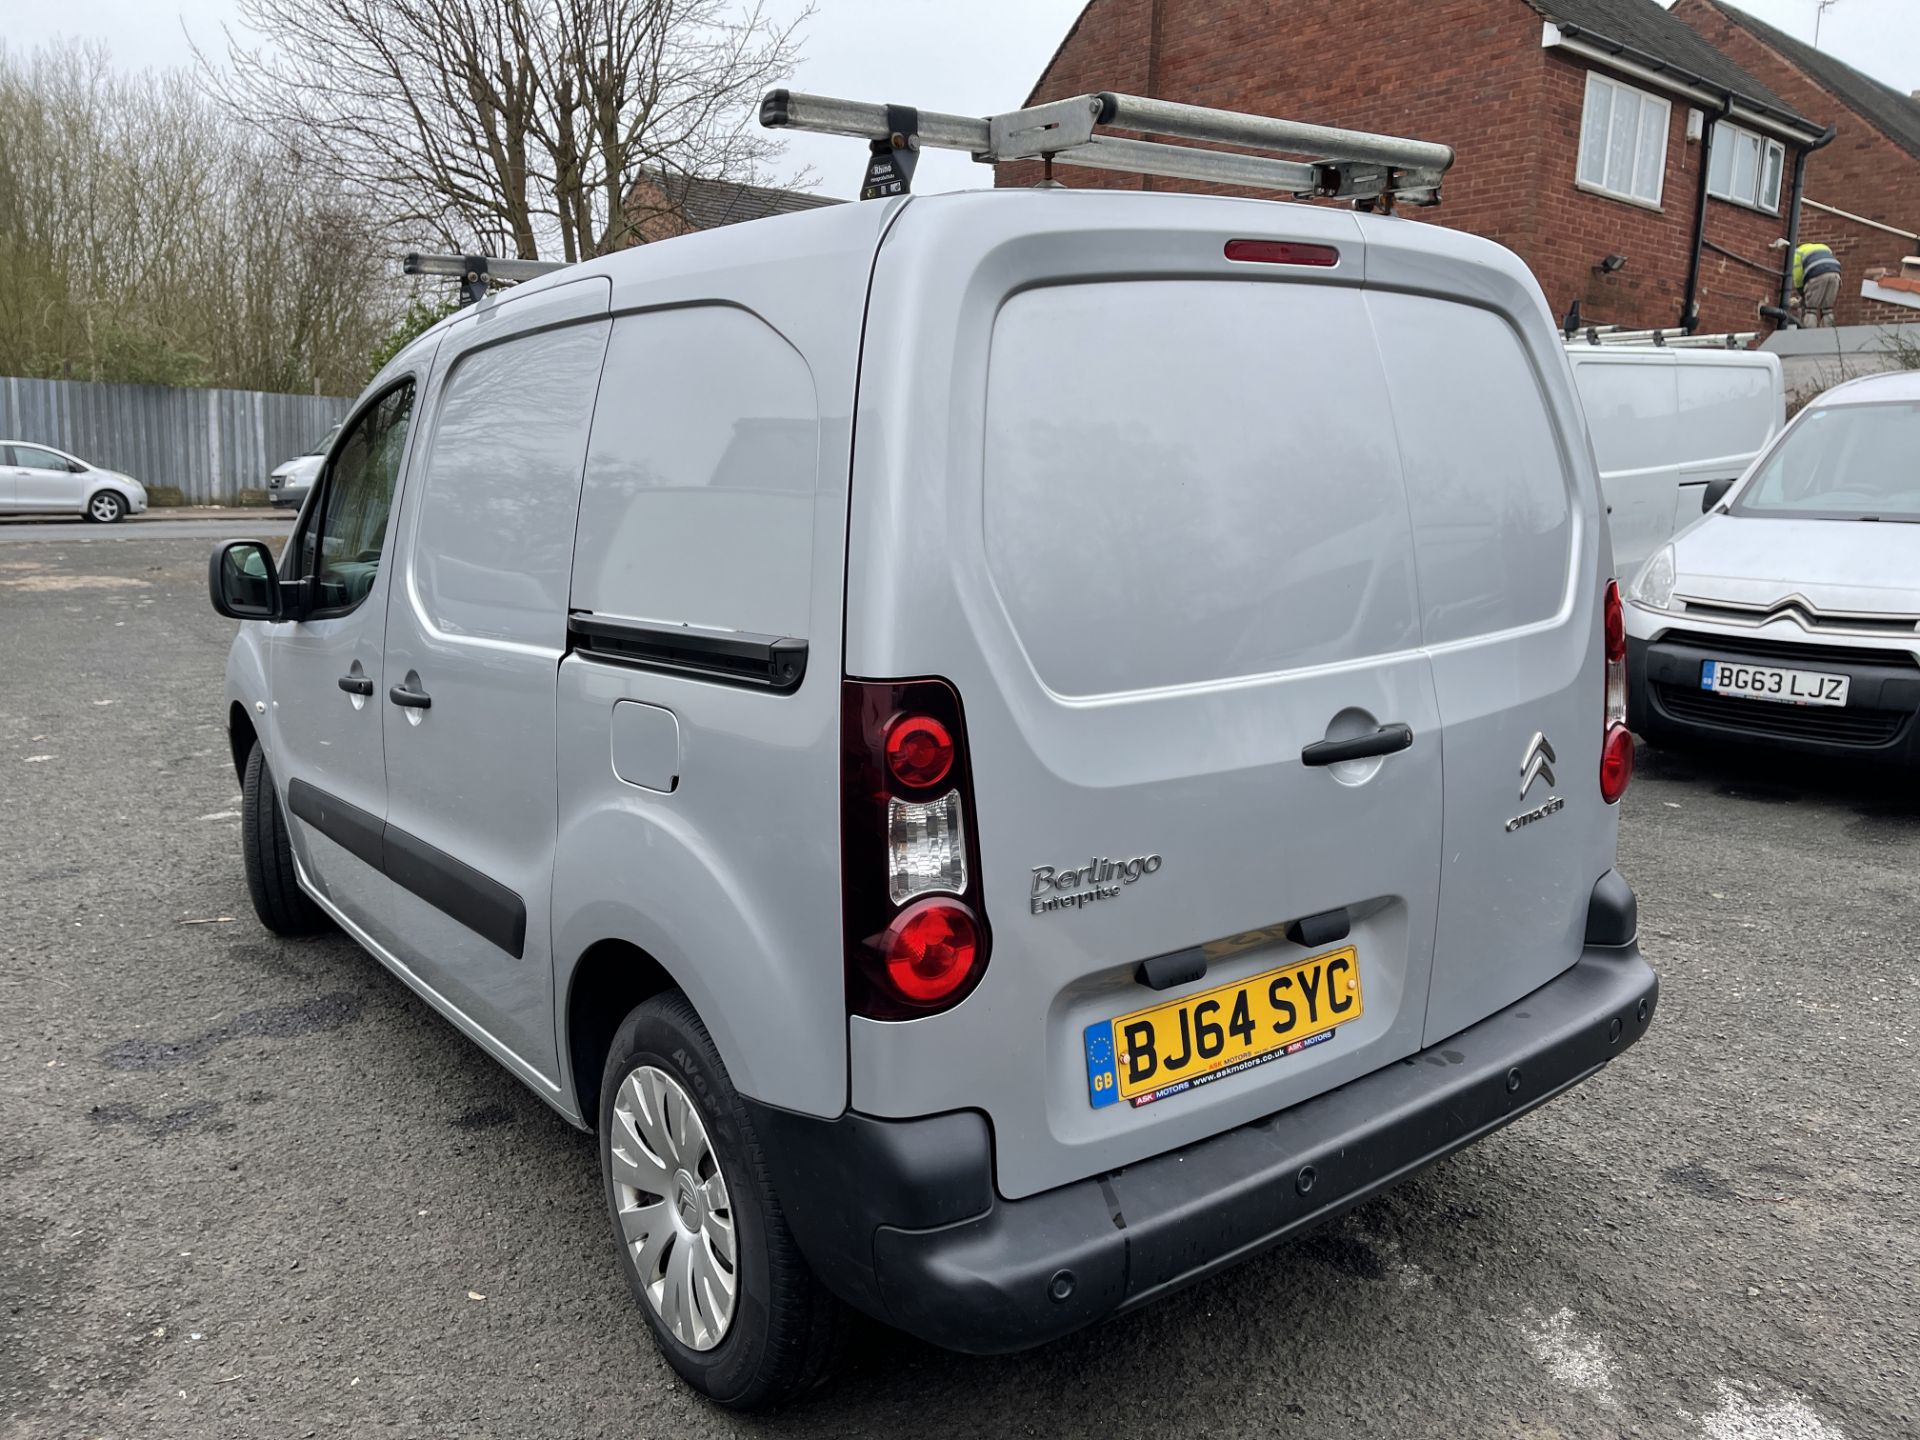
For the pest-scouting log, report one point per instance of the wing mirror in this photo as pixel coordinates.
(244, 584)
(1713, 494)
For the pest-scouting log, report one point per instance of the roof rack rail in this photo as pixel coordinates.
(1348, 164)
(1664, 339)
(475, 271)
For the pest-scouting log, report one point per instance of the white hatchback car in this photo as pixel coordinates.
(39, 480)
(1790, 613)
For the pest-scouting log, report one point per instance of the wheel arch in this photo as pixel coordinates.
(241, 737)
(610, 978)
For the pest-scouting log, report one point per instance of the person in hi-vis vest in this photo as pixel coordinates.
(1816, 275)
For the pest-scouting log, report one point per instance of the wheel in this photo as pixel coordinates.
(283, 907)
(703, 1242)
(106, 507)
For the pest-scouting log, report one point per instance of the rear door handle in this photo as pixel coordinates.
(410, 699)
(1387, 740)
(357, 684)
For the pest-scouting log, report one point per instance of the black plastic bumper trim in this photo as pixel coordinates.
(1018, 1273)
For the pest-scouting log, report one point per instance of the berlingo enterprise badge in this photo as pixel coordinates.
(1101, 879)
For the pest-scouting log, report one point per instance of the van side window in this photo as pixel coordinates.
(342, 545)
(1486, 484)
(500, 487)
(698, 505)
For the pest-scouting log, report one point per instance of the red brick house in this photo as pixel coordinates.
(1863, 189)
(660, 205)
(1579, 125)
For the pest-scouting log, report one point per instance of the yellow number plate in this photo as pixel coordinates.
(1168, 1048)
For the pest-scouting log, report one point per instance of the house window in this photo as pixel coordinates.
(1745, 168)
(1623, 141)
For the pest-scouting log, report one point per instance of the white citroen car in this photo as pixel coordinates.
(1789, 614)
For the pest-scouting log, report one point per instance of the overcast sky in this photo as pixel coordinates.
(970, 56)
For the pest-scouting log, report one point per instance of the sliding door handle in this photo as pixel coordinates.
(1387, 740)
(410, 699)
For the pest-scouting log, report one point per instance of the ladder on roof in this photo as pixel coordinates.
(1664, 339)
(1348, 164)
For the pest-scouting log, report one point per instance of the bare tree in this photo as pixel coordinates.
(509, 125)
(144, 236)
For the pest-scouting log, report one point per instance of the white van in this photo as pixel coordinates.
(1667, 423)
(1004, 750)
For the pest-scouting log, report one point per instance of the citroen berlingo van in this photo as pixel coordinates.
(1005, 750)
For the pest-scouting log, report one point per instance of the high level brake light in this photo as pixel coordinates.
(916, 939)
(1616, 747)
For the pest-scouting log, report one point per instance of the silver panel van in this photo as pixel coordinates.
(1004, 750)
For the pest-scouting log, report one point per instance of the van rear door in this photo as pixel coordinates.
(1142, 505)
(1511, 548)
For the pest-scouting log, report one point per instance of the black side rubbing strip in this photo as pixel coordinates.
(731, 657)
(480, 903)
(348, 826)
(477, 901)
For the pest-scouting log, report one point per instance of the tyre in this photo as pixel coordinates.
(106, 507)
(283, 907)
(702, 1239)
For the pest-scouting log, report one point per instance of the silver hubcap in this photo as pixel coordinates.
(675, 1217)
(104, 508)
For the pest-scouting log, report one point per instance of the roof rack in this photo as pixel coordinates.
(1664, 339)
(1349, 164)
(475, 271)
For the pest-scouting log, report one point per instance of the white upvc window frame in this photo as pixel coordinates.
(1595, 166)
(1769, 165)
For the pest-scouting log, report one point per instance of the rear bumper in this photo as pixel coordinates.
(1878, 722)
(900, 1217)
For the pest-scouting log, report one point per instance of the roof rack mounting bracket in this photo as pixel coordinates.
(893, 156)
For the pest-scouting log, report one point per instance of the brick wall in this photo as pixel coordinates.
(1861, 171)
(1470, 73)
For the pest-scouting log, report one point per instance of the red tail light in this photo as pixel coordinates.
(916, 931)
(1616, 746)
(931, 950)
(919, 751)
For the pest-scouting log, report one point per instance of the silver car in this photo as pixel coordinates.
(979, 840)
(40, 480)
(1789, 614)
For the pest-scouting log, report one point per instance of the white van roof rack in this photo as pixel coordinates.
(1349, 164)
(1666, 339)
(474, 271)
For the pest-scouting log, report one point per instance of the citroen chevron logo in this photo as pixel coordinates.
(1537, 763)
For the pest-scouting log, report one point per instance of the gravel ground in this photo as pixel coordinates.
(255, 1188)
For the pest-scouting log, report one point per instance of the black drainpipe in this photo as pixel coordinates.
(1688, 305)
(1793, 211)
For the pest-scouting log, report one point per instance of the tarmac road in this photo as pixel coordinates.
(256, 1188)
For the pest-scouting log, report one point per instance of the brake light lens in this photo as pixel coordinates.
(916, 934)
(1616, 746)
(931, 950)
(1282, 252)
(919, 750)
